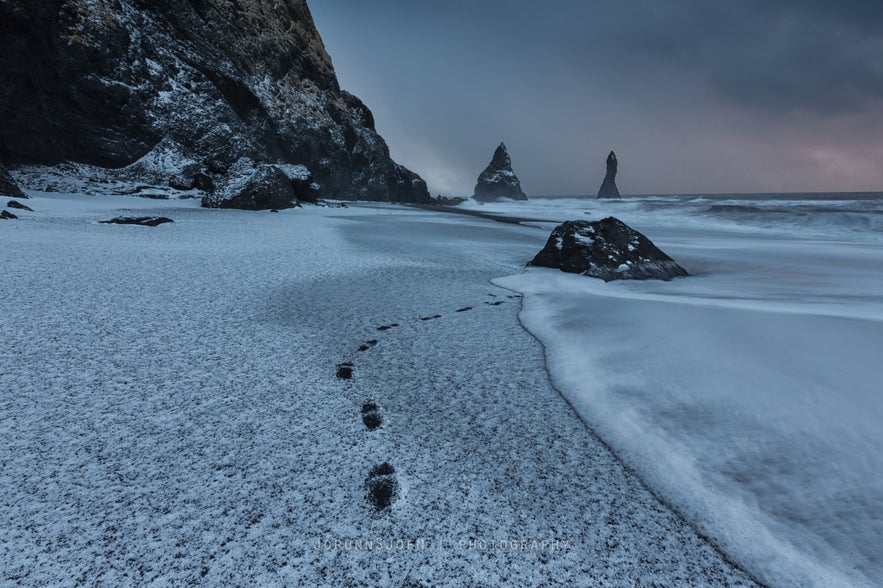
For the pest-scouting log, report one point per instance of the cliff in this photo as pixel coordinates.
(201, 83)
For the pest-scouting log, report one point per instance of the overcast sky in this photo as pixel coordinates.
(693, 95)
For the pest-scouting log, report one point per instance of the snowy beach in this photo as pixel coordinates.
(172, 411)
(173, 415)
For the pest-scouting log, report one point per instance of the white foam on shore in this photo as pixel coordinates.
(747, 395)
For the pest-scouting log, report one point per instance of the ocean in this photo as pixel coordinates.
(748, 395)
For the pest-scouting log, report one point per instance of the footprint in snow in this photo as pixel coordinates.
(371, 416)
(381, 485)
(368, 345)
(345, 370)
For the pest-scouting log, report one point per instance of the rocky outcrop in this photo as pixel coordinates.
(6, 215)
(18, 205)
(607, 249)
(8, 187)
(608, 187)
(195, 84)
(143, 221)
(498, 180)
(264, 189)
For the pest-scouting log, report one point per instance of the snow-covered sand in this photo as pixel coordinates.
(170, 411)
(749, 395)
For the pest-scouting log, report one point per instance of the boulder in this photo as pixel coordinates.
(305, 189)
(6, 215)
(607, 249)
(144, 221)
(8, 187)
(498, 180)
(447, 200)
(267, 187)
(191, 177)
(608, 187)
(19, 205)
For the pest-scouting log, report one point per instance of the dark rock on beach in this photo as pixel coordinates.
(144, 221)
(607, 249)
(8, 187)
(448, 200)
(608, 187)
(498, 180)
(268, 187)
(195, 85)
(192, 177)
(18, 205)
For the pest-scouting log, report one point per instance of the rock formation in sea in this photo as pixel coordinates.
(607, 249)
(498, 180)
(608, 187)
(181, 90)
(8, 187)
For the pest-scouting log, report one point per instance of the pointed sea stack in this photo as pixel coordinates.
(498, 180)
(608, 188)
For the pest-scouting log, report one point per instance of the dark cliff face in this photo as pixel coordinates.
(106, 81)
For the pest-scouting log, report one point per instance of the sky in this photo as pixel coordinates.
(695, 96)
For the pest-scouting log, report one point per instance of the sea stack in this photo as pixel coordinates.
(498, 180)
(608, 188)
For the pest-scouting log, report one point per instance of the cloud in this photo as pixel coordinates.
(674, 86)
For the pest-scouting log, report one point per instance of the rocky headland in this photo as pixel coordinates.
(180, 92)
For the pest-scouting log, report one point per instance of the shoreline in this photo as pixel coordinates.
(216, 369)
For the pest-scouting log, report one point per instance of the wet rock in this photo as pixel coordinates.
(144, 221)
(448, 200)
(607, 249)
(498, 180)
(608, 187)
